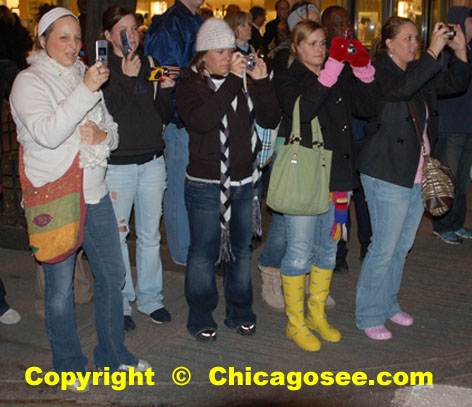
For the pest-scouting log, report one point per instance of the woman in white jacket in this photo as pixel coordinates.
(59, 111)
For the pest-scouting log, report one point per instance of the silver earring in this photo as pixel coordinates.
(390, 54)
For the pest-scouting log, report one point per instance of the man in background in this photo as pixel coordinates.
(258, 19)
(171, 40)
(454, 146)
(282, 7)
(337, 21)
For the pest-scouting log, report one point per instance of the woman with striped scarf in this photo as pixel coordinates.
(221, 191)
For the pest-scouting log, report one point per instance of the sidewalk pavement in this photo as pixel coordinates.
(436, 290)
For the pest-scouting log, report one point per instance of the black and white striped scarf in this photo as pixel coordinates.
(226, 253)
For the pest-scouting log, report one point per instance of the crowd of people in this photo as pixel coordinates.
(190, 145)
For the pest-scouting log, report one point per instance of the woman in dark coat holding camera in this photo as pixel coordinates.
(221, 190)
(391, 160)
(136, 173)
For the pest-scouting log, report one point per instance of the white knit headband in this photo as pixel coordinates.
(51, 16)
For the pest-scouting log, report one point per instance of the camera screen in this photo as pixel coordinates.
(102, 51)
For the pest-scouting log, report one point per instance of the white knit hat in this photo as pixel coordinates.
(215, 33)
(299, 14)
(51, 16)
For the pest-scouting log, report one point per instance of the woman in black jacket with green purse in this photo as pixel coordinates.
(391, 161)
(331, 91)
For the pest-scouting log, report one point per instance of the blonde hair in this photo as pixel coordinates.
(237, 18)
(301, 32)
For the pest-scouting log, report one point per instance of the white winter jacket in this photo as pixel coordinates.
(49, 103)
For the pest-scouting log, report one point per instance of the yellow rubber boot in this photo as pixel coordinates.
(294, 297)
(318, 291)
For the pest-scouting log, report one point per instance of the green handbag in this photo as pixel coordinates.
(299, 182)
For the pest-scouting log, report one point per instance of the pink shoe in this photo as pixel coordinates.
(378, 333)
(403, 319)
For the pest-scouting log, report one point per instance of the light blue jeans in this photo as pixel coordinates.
(102, 246)
(142, 186)
(395, 215)
(309, 243)
(175, 213)
(275, 243)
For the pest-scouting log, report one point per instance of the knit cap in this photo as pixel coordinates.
(299, 14)
(215, 33)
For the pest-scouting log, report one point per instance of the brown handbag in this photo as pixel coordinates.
(438, 184)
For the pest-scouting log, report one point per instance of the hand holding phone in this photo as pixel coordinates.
(101, 51)
(131, 64)
(125, 42)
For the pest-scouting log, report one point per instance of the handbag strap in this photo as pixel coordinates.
(417, 126)
(153, 65)
(295, 135)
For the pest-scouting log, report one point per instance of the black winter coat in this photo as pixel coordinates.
(202, 111)
(140, 117)
(391, 150)
(334, 107)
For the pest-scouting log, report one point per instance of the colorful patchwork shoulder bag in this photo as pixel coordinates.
(55, 213)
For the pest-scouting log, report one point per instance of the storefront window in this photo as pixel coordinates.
(369, 20)
(413, 10)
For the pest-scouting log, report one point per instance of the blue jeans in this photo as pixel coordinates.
(175, 213)
(102, 246)
(309, 243)
(275, 243)
(203, 205)
(455, 150)
(395, 215)
(142, 185)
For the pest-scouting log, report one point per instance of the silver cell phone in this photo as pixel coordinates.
(101, 51)
(125, 43)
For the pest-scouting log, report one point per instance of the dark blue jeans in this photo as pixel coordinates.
(364, 230)
(203, 205)
(455, 150)
(102, 246)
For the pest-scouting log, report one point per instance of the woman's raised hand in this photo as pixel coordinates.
(96, 76)
(458, 42)
(167, 82)
(131, 64)
(238, 63)
(91, 133)
(439, 38)
(259, 71)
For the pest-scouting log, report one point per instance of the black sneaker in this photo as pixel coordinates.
(208, 335)
(160, 316)
(129, 323)
(341, 266)
(246, 329)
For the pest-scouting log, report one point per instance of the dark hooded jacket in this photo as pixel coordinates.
(455, 112)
